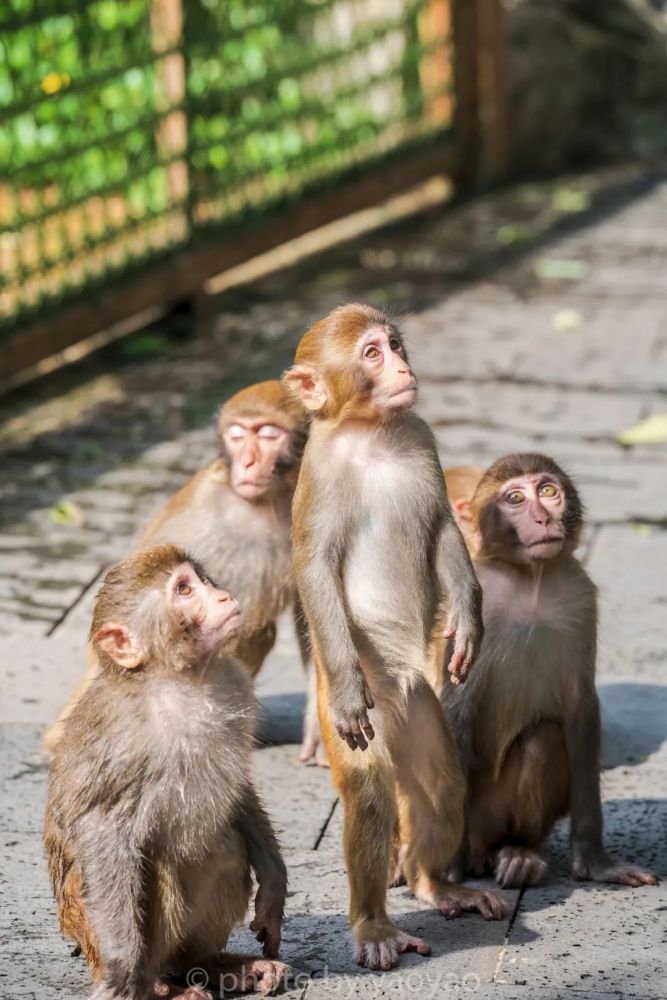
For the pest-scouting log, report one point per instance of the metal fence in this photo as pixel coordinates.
(134, 131)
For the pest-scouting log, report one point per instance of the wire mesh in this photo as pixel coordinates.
(132, 127)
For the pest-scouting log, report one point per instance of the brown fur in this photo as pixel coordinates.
(152, 823)
(376, 553)
(527, 724)
(243, 545)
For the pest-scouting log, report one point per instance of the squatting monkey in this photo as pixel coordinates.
(376, 551)
(234, 517)
(527, 723)
(152, 822)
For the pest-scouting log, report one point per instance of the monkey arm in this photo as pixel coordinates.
(301, 629)
(582, 729)
(269, 868)
(115, 881)
(321, 590)
(464, 594)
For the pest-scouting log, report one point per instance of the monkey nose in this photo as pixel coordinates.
(223, 596)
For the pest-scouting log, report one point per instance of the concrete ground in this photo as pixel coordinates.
(536, 319)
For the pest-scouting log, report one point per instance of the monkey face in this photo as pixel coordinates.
(531, 510)
(253, 449)
(207, 613)
(385, 366)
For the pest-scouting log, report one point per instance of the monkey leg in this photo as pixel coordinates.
(312, 744)
(68, 891)
(254, 647)
(431, 795)
(365, 782)
(510, 817)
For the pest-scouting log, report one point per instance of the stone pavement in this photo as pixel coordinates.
(536, 319)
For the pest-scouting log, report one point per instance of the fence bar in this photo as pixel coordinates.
(181, 275)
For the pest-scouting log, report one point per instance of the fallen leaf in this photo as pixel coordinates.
(568, 199)
(653, 430)
(518, 232)
(639, 528)
(66, 512)
(561, 269)
(566, 319)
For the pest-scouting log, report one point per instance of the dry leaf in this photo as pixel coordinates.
(566, 319)
(653, 430)
(66, 512)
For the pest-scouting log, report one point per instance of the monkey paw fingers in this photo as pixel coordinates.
(264, 977)
(620, 873)
(383, 955)
(517, 866)
(457, 899)
(268, 934)
(355, 729)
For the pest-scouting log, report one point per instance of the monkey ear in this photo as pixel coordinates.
(117, 641)
(462, 510)
(306, 385)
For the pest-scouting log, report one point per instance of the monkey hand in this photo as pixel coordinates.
(268, 918)
(467, 635)
(349, 705)
(595, 864)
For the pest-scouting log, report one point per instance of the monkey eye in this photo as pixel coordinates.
(548, 490)
(235, 432)
(371, 353)
(515, 497)
(395, 344)
(269, 431)
(183, 589)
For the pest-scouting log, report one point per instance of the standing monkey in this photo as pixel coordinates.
(234, 517)
(527, 724)
(152, 822)
(375, 550)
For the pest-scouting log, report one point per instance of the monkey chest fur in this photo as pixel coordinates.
(394, 514)
(535, 658)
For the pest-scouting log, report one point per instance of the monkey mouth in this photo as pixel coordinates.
(551, 540)
(408, 389)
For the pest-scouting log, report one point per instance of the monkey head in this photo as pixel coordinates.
(158, 608)
(525, 510)
(352, 364)
(262, 433)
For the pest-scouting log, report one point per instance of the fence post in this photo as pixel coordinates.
(481, 115)
(436, 69)
(172, 132)
(492, 83)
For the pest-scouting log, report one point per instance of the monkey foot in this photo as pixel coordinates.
(453, 900)
(604, 869)
(382, 952)
(396, 875)
(162, 989)
(517, 866)
(253, 975)
(314, 749)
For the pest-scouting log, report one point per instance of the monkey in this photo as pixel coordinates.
(461, 482)
(376, 550)
(527, 723)
(152, 822)
(234, 516)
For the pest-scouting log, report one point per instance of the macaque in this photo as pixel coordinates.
(234, 516)
(461, 482)
(527, 724)
(376, 552)
(152, 822)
